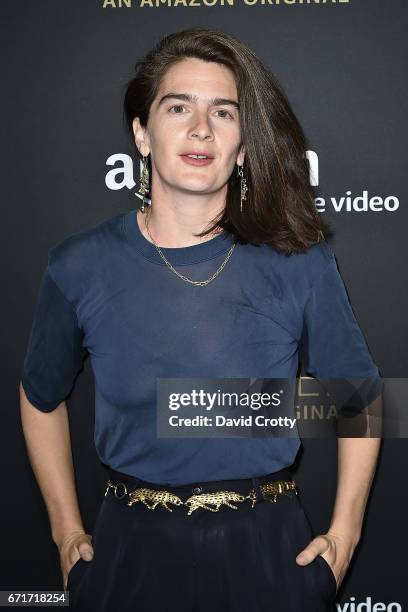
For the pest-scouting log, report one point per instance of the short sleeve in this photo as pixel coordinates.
(332, 347)
(54, 353)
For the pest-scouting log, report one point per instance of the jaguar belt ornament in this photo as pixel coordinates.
(271, 490)
(217, 499)
(152, 498)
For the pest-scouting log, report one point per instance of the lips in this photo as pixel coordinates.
(196, 161)
(186, 153)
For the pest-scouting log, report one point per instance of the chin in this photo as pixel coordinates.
(197, 186)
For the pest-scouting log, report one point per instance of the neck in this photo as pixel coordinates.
(174, 226)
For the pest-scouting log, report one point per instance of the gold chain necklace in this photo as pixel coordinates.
(188, 280)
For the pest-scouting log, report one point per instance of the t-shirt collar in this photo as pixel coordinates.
(177, 255)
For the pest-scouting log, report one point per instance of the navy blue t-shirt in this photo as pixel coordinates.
(106, 292)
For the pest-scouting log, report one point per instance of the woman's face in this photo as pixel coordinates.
(195, 111)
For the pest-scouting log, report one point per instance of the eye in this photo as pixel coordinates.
(173, 109)
(176, 106)
(224, 111)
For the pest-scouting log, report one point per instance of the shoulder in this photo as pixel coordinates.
(314, 262)
(303, 269)
(289, 278)
(81, 254)
(76, 249)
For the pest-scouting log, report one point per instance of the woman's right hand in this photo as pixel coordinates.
(75, 545)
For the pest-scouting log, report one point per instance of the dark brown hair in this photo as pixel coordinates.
(279, 209)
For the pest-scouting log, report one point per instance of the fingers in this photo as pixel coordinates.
(318, 546)
(77, 547)
(86, 551)
(82, 550)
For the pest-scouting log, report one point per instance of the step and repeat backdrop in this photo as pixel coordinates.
(69, 165)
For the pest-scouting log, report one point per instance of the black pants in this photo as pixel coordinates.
(227, 561)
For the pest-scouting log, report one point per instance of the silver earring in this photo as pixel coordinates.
(244, 187)
(144, 182)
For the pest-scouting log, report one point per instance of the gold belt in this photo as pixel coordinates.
(152, 498)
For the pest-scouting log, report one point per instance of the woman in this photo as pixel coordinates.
(223, 273)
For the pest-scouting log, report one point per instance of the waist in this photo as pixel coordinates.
(240, 485)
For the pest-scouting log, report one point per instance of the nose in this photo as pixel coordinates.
(200, 127)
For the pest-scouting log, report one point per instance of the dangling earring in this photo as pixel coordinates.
(144, 183)
(244, 187)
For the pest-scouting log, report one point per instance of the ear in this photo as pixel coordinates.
(141, 137)
(241, 156)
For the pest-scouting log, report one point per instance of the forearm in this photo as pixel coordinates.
(48, 443)
(357, 459)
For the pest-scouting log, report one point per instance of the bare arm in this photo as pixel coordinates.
(49, 448)
(48, 443)
(357, 459)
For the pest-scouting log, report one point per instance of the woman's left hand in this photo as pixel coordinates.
(336, 548)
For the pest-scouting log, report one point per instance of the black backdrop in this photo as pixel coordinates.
(64, 64)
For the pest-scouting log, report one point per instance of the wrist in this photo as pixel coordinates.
(347, 533)
(61, 537)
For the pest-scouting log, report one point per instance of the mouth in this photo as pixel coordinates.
(197, 159)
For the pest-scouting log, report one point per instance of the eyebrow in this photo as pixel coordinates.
(190, 98)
